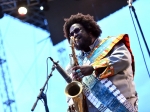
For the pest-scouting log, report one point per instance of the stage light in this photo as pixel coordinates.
(44, 5)
(1, 12)
(22, 7)
(22, 10)
(41, 8)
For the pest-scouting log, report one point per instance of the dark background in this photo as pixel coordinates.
(60, 9)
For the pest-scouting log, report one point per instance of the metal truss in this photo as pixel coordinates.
(6, 89)
(34, 16)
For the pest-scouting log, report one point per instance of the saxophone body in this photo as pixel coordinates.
(74, 90)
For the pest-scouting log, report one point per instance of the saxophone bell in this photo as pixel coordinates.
(74, 91)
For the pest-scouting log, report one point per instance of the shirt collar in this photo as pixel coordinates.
(95, 43)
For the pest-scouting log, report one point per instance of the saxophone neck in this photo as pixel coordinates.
(74, 58)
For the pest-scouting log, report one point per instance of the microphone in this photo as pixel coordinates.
(61, 71)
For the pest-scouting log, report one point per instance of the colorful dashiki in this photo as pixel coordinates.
(100, 91)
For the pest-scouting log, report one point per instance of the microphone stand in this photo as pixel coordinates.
(42, 95)
(133, 9)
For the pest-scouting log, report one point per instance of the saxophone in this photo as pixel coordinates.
(74, 89)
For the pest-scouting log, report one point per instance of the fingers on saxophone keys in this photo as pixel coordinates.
(80, 75)
(78, 71)
(77, 74)
(74, 76)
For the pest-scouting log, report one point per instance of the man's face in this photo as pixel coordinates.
(82, 39)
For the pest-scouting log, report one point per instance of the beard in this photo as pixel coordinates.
(83, 44)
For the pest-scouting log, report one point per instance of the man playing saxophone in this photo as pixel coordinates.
(106, 67)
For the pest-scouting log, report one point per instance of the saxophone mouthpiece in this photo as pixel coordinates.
(72, 40)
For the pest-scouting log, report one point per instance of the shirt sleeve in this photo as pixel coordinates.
(117, 60)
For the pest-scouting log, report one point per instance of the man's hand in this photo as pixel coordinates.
(80, 71)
